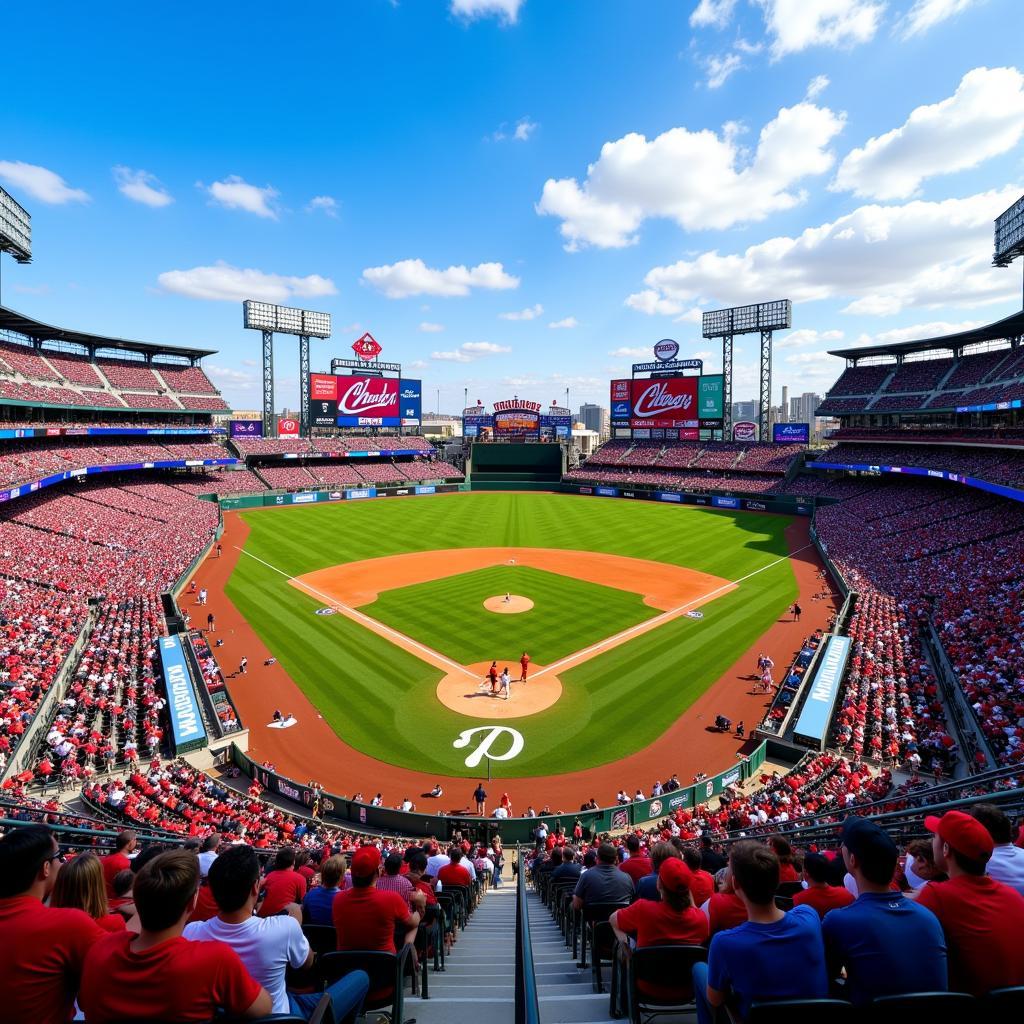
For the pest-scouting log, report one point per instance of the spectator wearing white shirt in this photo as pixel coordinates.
(1006, 864)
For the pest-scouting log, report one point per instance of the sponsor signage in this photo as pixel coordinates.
(755, 506)
(364, 401)
(517, 405)
(606, 492)
(664, 403)
(709, 397)
(666, 350)
(744, 430)
(620, 391)
(303, 497)
(620, 411)
(367, 347)
(323, 387)
(1016, 403)
(323, 413)
(670, 496)
(410, 399)
(361, 492)
(586, 490)
(363, 397)
(517, 420)
(288, 428)
(816, 714)
(669, 366)
(791, 433)
(186, 723)
(719, 502)
(246, 428)
(426, 489)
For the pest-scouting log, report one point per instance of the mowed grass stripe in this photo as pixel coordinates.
(381, 699)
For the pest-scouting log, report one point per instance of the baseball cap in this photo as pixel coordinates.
(865, 840)
(963, 833)
(365, 861)
(675, 876)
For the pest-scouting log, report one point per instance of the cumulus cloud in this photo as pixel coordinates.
(327, 205)
(524, 129)
(225, 283)
(933, 329)
(428, 328)
(470, 351)
(925, 14)
(413, 277)
(796, 25)
(233, 193)
(530, 313)
(699, 179)
(805, 337)
(719, 68)
(651, 303)
(816, 86)
(982, 119)
(883, 258)
(506, 11)
(712, 13)
(40, 183)
(225, 375)
(141, 187)
(566, 323)
(629, 352)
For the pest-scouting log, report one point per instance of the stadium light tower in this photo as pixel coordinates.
(1009, 240)
(765, 317)
(304, 324)
(15, 228)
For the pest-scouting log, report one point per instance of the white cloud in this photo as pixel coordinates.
(326, 205)
(530, 313)
(524, 129)
(141, 187)
(712, 13)
(884, 258)
(806, 336)
(507, 11)
(983, 118)
(698, 179)
(690, 316)
(225, 283)
(413, 277)
(233, 193)
(417, 364)
(651, 303)
(816, 86)
(630, 352)
(566, 323)
(40, 183)
(470, 351)
(428, 328)
(925, 14)
(237, 379)
(720, 68)
(934, 329)
(796, 25)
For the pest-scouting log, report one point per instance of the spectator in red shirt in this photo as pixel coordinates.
(787, 869)
(703, 884)
(44, 948)
(417, 868)
(283, 887)
(80, 885)
(158, 974)
(306, 867)
(819, 894)
(454, 872)
(637, 864)
(118, 860)
(366, 918)
(983, 919)
(724, 908)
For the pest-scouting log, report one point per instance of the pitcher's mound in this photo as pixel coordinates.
(512, 606)
(467, 694)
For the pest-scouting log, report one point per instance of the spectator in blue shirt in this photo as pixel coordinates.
(888, 944)
(773, 955)
(316, 907)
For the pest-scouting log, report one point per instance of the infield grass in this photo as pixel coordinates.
(380, 699)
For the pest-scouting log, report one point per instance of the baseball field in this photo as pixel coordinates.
(629, 612)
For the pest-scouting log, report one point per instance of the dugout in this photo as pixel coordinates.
(515, 467)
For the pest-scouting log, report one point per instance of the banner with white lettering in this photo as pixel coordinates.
(187, 729)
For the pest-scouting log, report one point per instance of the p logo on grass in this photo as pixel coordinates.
(484, 749)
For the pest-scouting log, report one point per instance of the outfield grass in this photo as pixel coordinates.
(470, 633)
(617, 703)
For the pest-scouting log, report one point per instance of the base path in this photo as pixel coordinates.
(312, 750)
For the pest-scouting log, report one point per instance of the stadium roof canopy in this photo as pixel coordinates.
(1010, 327)
(38, 331)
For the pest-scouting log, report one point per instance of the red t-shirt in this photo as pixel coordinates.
(454, 874)
(308, 873)
(725, 910)
(366, 918)
(281, 888)
(428, 890)
(983, 920)
(111, 922)
(824, 899)
(787, 873)
(655, 923)
(703, 886)
(111, 865)
(636, 867)
(206, 906)
(43, 952)
(175, 980)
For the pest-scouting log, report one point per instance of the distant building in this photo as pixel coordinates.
(595, 418)
(801, 409)
(744, 411)
(586, 440)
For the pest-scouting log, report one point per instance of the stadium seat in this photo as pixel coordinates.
(387, 972)
(803, 1011)
(322, 938)
(654, 965)
(1004, 1005)
(924, 1008)
(597, 932)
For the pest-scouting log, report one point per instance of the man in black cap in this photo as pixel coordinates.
(888, 944)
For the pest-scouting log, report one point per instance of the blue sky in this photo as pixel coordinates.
(515, 196)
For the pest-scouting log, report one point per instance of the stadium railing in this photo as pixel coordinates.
(527, 1006)
(77, 836)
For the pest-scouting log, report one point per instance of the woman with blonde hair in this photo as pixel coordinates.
(80, 885)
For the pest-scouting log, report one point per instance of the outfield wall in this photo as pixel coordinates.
(785, 504)
(357, 816)
(277, 499)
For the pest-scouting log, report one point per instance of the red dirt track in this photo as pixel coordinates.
(312, 750)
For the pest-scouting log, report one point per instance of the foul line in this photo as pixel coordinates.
(375, 625)
(578, 657)
(648, 624)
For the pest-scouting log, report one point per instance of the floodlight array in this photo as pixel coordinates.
(15, 228)
(266, 316)
(1009, 240)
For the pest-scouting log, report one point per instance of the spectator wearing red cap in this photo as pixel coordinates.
(983, 919)
(365, 918)
(44, 948)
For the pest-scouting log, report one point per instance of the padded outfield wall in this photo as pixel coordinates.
(514, 467)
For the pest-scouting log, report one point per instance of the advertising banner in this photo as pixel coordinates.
(246, 428)
(606, 492)
(368, 400)
(710, 397)
(323, 387)
(287, 428)
(620, 391)
(812, 725)
(556, 426)
(791, 433)
(187, 727)
(323, 413)
(361, 492)
(410, 396)
(517, 424)
(744, 430)
(720, 502)
(671, 402)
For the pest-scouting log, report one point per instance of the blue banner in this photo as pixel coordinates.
(186, 723)
(426, 489)
(606, 492)
(410, 400)
(669, 496)
(816, 714)
(719, 502)
(6, 435)
(362, 492)
(791, 433)
(1013, 493)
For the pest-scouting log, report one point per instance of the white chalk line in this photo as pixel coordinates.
(576, 657)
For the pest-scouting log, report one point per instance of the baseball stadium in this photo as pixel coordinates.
(328, 714)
